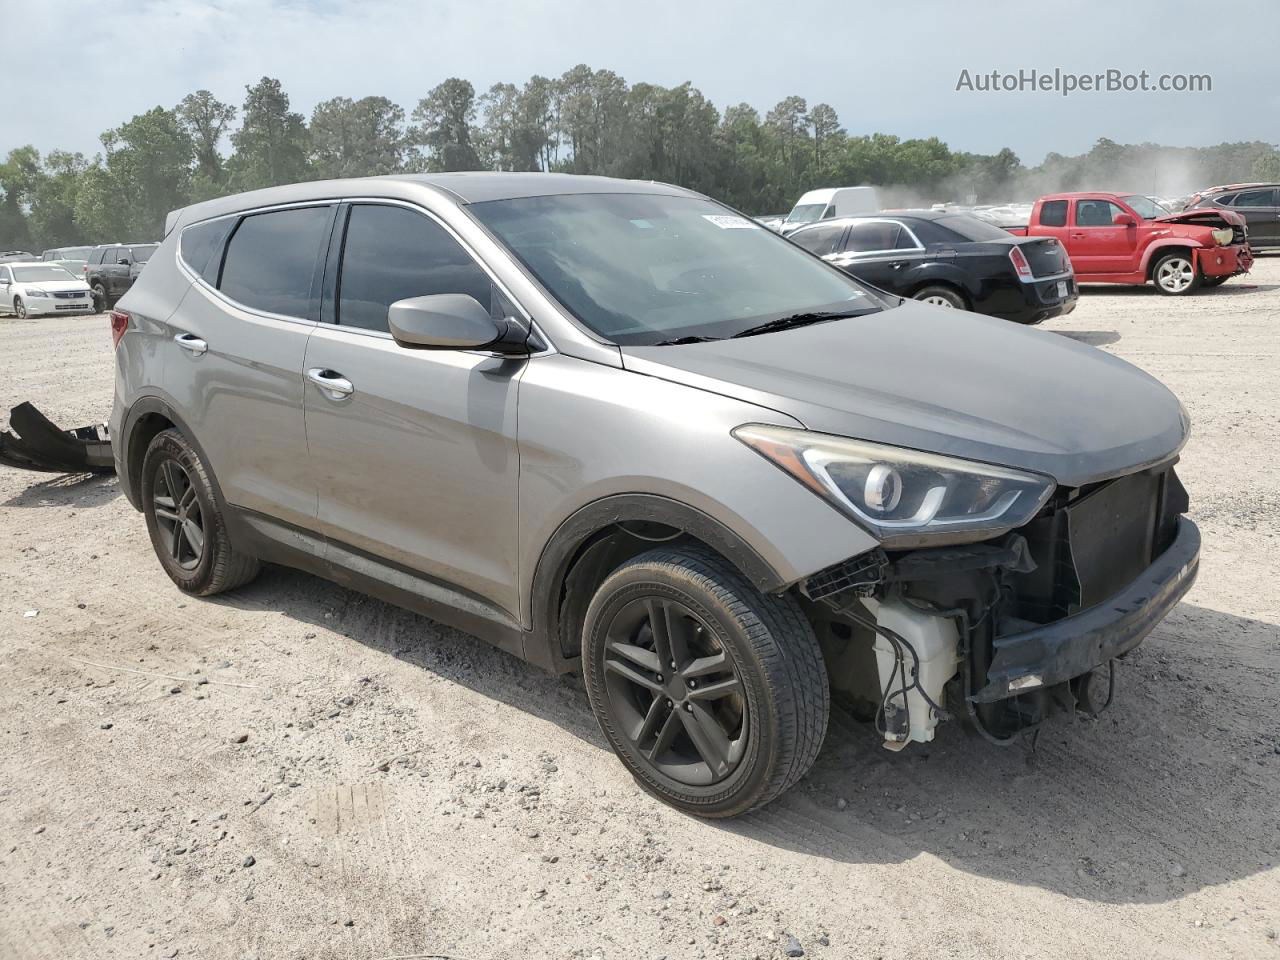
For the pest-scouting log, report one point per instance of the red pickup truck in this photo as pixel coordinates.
(1121, 238)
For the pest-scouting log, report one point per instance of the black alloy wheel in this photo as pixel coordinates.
(178, 514)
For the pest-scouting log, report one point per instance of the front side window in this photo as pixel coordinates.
(818, 240)
(648, 268)
(1053, 213)
(1096, 213)
(393, 253)
(270, 263)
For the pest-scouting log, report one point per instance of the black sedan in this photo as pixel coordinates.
(951, 260)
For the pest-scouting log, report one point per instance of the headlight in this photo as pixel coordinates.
(36, 292)
(904, 497)
(1222, 237)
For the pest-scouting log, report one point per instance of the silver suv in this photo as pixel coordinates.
(617, 427)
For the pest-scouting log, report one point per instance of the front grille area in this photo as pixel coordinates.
(1238, 234)
(1091, 543)
(69, 294)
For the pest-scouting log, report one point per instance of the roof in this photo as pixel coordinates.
(1078, 194)
(482, 186)
(1235, 186)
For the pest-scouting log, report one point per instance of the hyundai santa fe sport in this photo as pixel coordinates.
(616, 427)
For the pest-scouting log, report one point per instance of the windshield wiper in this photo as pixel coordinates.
(681, 340)
(798, 320)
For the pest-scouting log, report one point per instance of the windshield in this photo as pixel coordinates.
(1145, 207)
(39, 274)
(806, 213)
(143, 254)
(643, 268)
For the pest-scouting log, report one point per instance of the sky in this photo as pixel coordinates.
(82, 67)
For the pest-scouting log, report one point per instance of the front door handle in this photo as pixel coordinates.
(191, 343)
(331, 382)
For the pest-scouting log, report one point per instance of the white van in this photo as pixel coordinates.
(828, 203)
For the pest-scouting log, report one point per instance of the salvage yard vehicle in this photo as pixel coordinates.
(113, 268)
(1258, 203)
(950, 260)
(71, 259)
(830, 203)
(616, 427)
(1118, 238)
(30, 289)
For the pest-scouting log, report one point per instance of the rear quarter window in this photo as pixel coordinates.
(201, 247)
(1053, 213)
(270, 264)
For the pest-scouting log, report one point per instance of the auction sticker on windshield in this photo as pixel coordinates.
(725, 222)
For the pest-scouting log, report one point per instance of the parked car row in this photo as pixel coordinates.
(28, 289)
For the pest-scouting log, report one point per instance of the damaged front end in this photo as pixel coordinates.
(1003, 634)
(34, 442)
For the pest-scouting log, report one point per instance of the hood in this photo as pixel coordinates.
(71, 284)
(947, 382)
(1205, 217)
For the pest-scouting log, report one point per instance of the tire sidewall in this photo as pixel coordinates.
(736, 793)
(19, 308)
(957, 301)
(1196, 278)
(170, 445)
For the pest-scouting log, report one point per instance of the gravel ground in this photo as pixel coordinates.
(297, 771)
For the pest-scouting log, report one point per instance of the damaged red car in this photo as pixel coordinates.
(1123, 238)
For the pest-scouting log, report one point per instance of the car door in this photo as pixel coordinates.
(1261, 213)
(1097, 243)
(6, 290)
(115, 275)
(236, 346)
(879, 252)
(413, 451)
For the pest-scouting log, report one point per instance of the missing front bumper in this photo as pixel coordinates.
(37, 443)
(1047, 655)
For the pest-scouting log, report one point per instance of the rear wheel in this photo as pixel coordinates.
(1175, 274)
(187, 528)
(712, 694)
(941, 296)
(19, 308)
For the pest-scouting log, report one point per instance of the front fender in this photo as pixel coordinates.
(1164, 243)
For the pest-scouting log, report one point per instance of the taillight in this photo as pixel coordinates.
(1020, 265)
(119, 324)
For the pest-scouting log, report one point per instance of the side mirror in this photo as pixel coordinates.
(442, 321)
(1124, 220)
(123, 262)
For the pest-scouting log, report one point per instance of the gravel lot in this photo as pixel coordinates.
(298, 771)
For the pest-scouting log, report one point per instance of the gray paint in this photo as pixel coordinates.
(948, 382)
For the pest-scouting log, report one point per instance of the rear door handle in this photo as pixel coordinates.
(331, 382)
(191, 343)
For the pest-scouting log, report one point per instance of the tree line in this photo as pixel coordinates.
(585, 121)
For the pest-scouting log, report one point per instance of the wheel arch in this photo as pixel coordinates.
(1162, 247)
(604, 534)
(147, 417)
(942, 280)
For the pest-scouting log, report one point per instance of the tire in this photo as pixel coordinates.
(99, 296)
(1214, 281)
(177, 494)
(1176, 275)
(757, 652)
(19, 308)
(941, 296)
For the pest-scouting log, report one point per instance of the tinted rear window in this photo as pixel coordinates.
(971, 228)
(819, 240)
(201, 246)
(1053, 213)
(271, 260)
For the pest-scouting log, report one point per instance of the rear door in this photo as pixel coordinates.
(1097, 244)
(879, 252)
(1261, 212)
(414, 452)
(115, 275)
(236, 354)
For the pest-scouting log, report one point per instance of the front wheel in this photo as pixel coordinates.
(188, 530)
(712, 694)
(19, 308)
(1175, 274)
(99, 297)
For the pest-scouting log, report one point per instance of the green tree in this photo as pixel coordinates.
(444, 119)
(271, 145)
(206, 118)
(358, 138)
(53, 203)
(826, 126)
(148, 169)
(20, 176)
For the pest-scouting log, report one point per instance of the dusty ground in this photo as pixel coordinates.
(403, 790)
